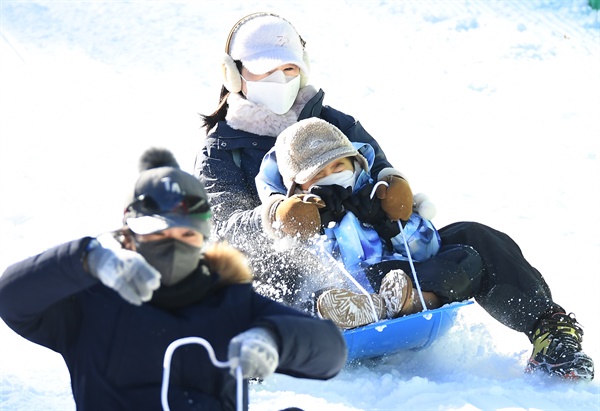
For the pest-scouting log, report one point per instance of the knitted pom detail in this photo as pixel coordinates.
(157, 157)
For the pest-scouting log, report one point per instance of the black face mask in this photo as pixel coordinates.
(174, 259)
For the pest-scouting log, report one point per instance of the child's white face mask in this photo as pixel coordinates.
(346, 178)
(277, 91)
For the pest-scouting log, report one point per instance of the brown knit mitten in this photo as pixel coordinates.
(396, 198)
(298, 215)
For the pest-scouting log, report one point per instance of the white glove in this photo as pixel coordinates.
(255, 351)
(125, 271)
(424, 206)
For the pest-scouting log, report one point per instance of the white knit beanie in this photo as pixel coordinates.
(304, 148)
(263, 41)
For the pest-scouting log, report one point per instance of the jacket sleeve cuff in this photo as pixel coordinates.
(268, 214)
(389, 171)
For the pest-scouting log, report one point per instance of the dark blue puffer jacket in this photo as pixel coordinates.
(114, 350)
(230, 160)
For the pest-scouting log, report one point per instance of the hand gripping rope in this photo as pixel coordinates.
(410, 260)
(211, 353)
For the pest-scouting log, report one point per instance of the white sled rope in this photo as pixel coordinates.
(211, 354)
(407, 248)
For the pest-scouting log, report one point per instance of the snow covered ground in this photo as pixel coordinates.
(490, 107)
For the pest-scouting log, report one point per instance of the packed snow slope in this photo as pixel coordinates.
(490, 107)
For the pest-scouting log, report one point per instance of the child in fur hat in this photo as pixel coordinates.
(112, 305)
(265, 89)
(322, 170)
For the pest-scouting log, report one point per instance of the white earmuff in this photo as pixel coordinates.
(232, 79)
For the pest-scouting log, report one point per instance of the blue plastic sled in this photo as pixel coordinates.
(412, 332)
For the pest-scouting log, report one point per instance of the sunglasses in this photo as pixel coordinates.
(170, 203)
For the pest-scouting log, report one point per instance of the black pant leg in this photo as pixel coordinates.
(511, 290)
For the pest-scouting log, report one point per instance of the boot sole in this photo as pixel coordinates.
(349, 310)
(395, 289)
(580, 369)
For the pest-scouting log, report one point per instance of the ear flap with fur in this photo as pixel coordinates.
(232, 79)
(304, 76)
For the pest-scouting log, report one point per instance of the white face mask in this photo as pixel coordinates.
(345, 178)
(277, 91)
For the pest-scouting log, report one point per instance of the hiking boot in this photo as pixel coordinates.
(557, 349)
(396, 291)
(350, 310)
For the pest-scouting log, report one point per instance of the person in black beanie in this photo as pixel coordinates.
(112, 304)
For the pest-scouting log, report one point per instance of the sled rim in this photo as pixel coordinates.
(411, 332)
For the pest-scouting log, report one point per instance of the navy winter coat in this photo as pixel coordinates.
(114, 350)
(230, 160)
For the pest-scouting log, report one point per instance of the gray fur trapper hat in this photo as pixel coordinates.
(304, 148)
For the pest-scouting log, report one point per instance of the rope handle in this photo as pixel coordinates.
(211, 354)
(308, 196)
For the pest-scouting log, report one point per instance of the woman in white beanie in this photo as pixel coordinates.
(265, 89)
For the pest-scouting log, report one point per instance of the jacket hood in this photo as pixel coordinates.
(228, 263)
